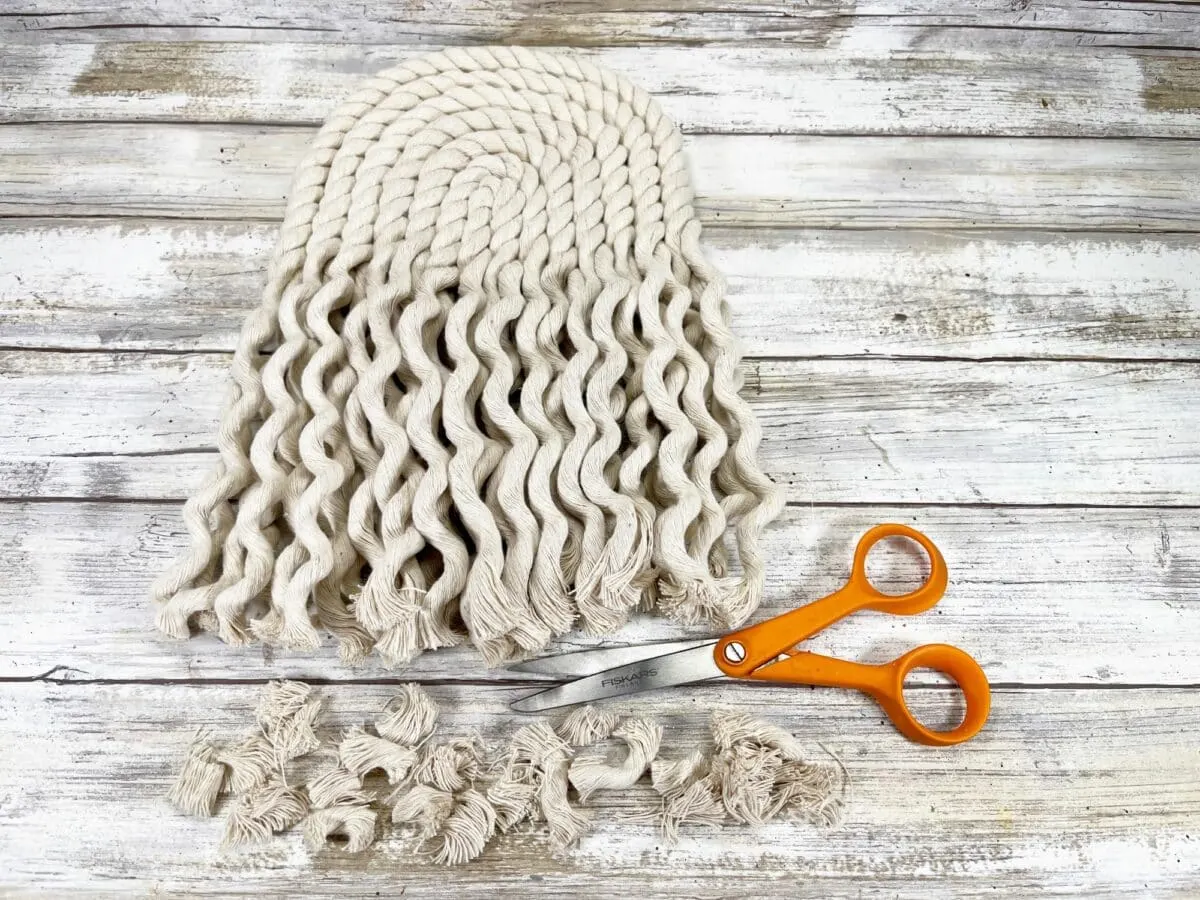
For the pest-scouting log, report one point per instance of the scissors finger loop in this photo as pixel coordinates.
(962, 669)
(915, 601)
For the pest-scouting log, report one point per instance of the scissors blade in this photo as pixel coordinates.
(681, 667)
(589, 662)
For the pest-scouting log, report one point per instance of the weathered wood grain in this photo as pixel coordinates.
(236, 171)
(159, 285)
(985, 91)
(837, 430)
(883, 24)
(1038, 596)
(1064, 794)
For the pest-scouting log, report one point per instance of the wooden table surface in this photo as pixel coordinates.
(962, 245)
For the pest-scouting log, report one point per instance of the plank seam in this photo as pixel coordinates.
(51, 676)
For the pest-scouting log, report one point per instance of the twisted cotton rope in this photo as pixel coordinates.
(491, 382)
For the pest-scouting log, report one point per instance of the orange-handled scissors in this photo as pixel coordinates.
(767, 652)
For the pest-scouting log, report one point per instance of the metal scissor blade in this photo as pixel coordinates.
(682, 667)
(589, 662)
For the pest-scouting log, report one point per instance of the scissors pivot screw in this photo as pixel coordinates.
(735, 652)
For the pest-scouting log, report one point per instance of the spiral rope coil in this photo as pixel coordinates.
(491, 390)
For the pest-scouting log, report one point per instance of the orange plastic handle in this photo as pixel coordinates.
(747, 652)
(886, 684)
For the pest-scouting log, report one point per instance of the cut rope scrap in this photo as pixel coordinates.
(352, 821)
(491, 390)
(452, 766)
(336, 786)
(200, 781)
(422, 805)
(412, 718)
(593, 773)
(361, 753)
(250, 762)
(457, 795)
(266, 810)
(587, 725)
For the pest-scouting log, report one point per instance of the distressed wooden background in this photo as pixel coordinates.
(962, 243)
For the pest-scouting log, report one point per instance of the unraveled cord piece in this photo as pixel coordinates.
(491, 389)
(336, 785)
(361, 753)
(586, 725)
(411, 719)
(266, 810)
(534, 783)
(199, 783)
(755, 773)
(352, 821)
(592, 773)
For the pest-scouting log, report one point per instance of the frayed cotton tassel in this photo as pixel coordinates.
(250, 761)
(200, 780)
(352, 821)
(566, 823)
(452, 766)
(730, 729)
(513, 802)
(296, 736)
(466, 831)
(336, 786)
(266, 810)
(281, 700)
(808, 790)
(587, 725)
(539, 757)
(360, 753)
(670, 776)
(593, 773)
(761, 774)
(746, 775)
(413, 719)
(426, 807)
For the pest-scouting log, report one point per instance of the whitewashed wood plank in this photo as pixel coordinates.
(1064, 794)
(160, 285)
(232, 171)
(1038, 596)
(836, 430)
(1008, 90)
(891, 24)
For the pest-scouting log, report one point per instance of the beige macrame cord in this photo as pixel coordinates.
(491, 390)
